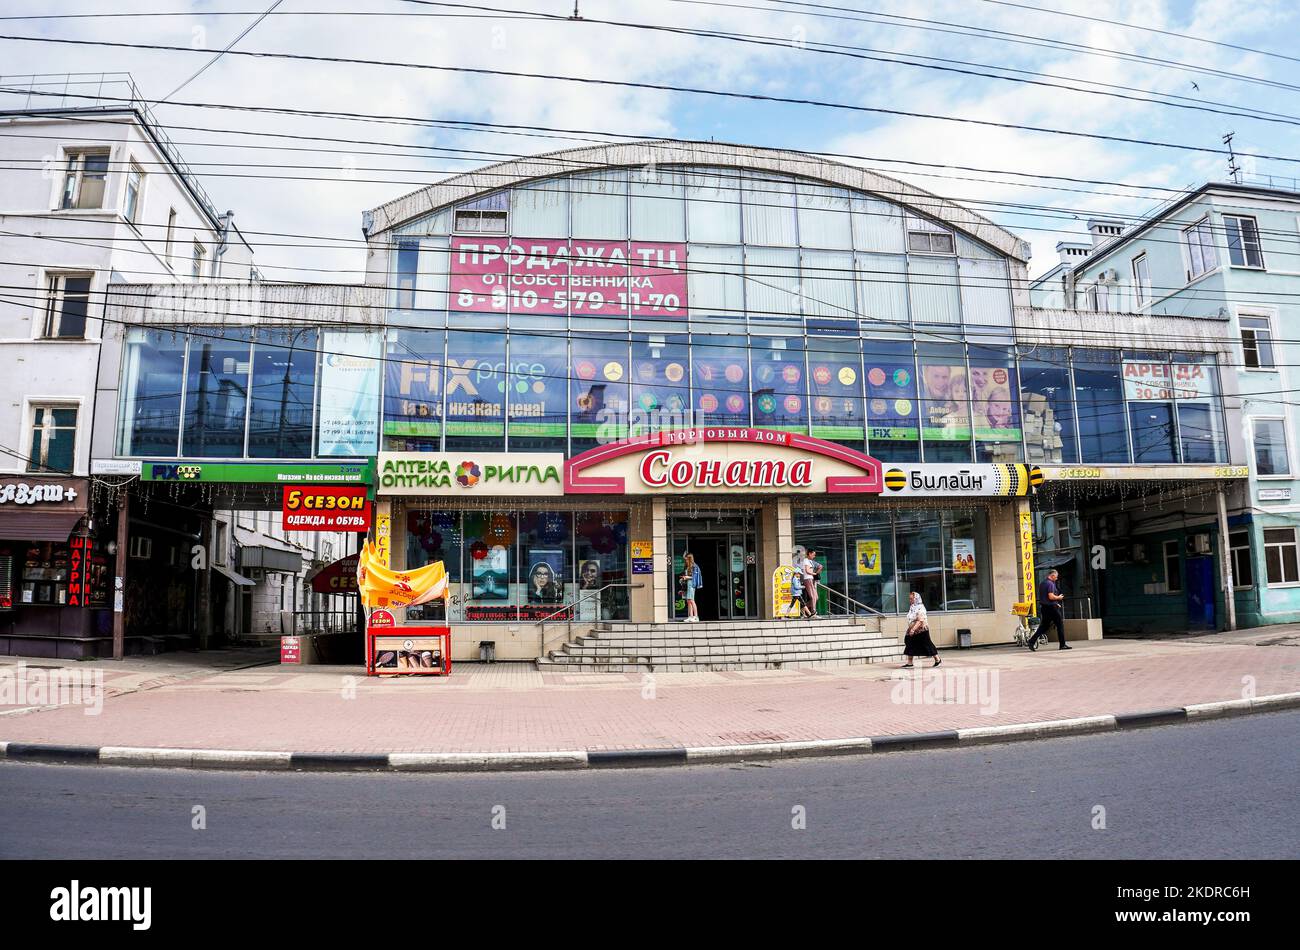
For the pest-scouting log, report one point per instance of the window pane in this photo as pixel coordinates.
(1100, 396)
(216, 394)
(995, 412)
(599, 205)
(1200, 421)
(716, 285)
(769, 210)
(474, 383)
(1047, 407)
(713, 207)
(545, 568)
(599, 407)
(919, 555)
(1153, 432)
(73, 307)
(540, 210)
(772, 289)
(835, 383)
(822, 531)
(932, 282)
(877, 225)
(869, 549)
(601, 556)
(1257, 341)
(779, 388)
(436, 536)
(657, 206)
(967, 568)
(151, 393)
(985, 293)
(660, 384)
(824, 217)
(539, 392)
(721, 372)
(488, 585)
(828, 291)
(284, 392)
(890, 371)
(1270, 447)
(883, 288)
(413, 391)
(945, 404)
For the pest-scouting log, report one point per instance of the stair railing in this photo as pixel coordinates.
(571, 609)
(850, 601)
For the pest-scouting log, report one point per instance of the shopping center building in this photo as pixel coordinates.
(570, 370)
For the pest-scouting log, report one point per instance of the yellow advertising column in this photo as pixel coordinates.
(1025, 522)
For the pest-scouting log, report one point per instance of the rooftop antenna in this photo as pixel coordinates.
(1234, 171)
(576, 14)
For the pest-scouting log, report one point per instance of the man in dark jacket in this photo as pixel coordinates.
(1053, 604)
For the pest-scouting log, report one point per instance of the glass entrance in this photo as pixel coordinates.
(726, 550)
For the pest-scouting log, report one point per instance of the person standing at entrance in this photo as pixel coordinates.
(1053, 611)
(693, 578)
(811, 568)
(916, 639)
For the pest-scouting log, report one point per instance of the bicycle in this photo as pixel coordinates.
(1026, 625)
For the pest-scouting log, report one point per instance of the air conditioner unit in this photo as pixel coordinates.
(255, 574)
(1201, 543)
(1110, 276)
(140, 548)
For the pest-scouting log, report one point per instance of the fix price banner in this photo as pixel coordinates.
(330, 508)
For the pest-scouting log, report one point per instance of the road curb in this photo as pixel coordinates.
(253, 760)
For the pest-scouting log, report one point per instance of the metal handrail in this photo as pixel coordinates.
(855, 603)
(541, 624)
(591, 593)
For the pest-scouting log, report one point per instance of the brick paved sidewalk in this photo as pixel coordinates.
(219, 701)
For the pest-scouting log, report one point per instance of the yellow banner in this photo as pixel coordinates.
(1027, 556)
(380, 586)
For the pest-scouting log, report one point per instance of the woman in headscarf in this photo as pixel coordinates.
(916, 641)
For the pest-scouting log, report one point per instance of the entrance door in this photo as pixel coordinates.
(1200, 593)
(727, 555)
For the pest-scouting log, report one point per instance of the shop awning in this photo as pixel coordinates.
(233, 576)
(38, 525)
(1053, 560)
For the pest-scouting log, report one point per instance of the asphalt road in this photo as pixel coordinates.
(1222, 789)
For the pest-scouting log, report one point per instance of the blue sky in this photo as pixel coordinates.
(790, 68)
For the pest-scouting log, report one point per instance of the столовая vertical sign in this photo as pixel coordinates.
(349, 394)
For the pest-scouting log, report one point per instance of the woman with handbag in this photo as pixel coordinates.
(916, 640)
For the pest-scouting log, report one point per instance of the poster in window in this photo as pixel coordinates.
(945, 401)
(992, 406)
(868, 557)
(891, 399)
(491, 572)
(963, 555)
(546, 576)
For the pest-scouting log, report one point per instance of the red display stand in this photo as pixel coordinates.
(408, 651)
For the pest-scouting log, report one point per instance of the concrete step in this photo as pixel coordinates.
(729, 626)
(723, 655)
(754, 644)
(550, 666)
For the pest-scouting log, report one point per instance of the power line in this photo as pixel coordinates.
(659, 87)
(204, 68)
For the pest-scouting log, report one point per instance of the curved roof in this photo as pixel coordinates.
(668, 152)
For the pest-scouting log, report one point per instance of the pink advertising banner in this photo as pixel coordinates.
(546, 275)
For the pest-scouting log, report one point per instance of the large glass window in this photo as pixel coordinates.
(828, 291)
(780, 390)
(892, 428)
(599, 201)
(436, 536)
(1099, 394)
(721, 370)
(920, 558)
(932, 283)
(967, 568)
(1271, 455)
(475, 385)
(1200, 419)
(599, 407)
(1149, 389)
(945, 403)
(540, 210)
(152, 380)
(283, 394)
(600, 558)
(995, 411)
(713, 206)
(869, 554)
(835, 386)
(539, 392)
(216, 394)
(413, 390)
(545, 562)
(985, 293)
(716, 286)
(772, 291)
(882, 290)
(1047, 406)
(661, 392)
(657, 206)
(824, 217)
(878, 225)
(489, 586)
(769, 211)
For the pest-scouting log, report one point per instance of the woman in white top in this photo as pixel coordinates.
(916, 641)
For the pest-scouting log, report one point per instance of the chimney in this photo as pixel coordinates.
(1103, 229)
(1072, 252)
